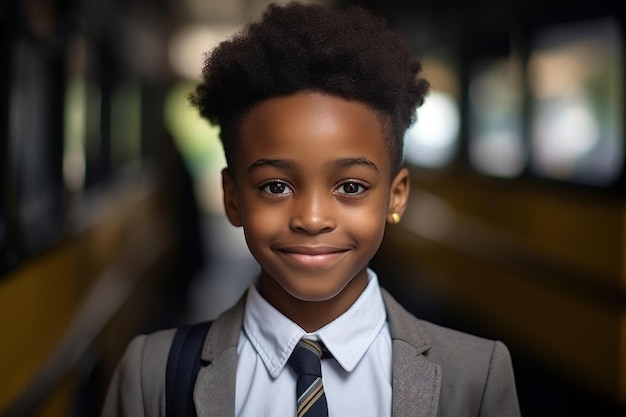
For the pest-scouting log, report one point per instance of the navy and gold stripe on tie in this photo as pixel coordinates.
(305, 361)
(310, 397)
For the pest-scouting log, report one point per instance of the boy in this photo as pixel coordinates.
(313, 105)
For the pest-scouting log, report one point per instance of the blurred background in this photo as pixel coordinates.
(110, 201)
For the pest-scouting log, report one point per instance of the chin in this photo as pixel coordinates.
(313, 294)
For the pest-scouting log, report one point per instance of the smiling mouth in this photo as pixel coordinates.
(312, 257)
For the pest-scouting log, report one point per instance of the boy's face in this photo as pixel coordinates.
(312, 190)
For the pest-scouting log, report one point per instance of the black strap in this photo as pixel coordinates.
(183, 364)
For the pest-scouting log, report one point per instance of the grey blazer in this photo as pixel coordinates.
(436, 371)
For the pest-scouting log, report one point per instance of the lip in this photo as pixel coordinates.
(312, 256)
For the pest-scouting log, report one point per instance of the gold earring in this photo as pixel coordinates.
(395, 218)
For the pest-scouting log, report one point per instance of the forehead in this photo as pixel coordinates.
(311, 124)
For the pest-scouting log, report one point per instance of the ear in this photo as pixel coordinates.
(231, 202)
(398, 195)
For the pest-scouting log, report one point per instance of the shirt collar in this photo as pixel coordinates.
(348, 337)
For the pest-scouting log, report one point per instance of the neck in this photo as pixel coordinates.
(312, 315)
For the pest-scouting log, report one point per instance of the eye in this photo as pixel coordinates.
(352, 188)
(276, 187)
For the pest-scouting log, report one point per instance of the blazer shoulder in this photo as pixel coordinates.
(137, 387)
(455, 342)
(461, 354)
(476, 372)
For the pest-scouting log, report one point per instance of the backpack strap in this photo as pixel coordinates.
(183, 364)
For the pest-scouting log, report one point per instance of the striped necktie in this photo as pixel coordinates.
(305, 361)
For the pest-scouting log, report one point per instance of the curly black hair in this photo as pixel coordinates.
(347, 53)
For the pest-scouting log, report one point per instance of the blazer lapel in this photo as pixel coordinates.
(416, 383)
(214, 393)
(416, 380)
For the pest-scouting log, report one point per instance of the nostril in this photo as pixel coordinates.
(312, 224)
(313, 213)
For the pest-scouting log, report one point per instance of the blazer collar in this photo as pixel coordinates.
(224, 332)
(416, 380)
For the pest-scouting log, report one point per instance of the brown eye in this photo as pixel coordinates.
(351, 188)
(276, 187)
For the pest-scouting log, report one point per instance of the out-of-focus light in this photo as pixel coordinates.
(75, 133)
(199, 145)
(189, 45)
(566, 131)
(499, 154)
(431, 141)
(576, 74)
(495, 114)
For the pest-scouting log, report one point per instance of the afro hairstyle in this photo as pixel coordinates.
(296, 47)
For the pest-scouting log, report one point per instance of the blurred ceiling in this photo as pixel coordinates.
(156, 35)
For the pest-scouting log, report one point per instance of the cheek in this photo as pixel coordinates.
(367, 223)
(260, 221)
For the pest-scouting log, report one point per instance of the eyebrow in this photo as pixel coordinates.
(337, 163)
(349, 162)
(278, 163)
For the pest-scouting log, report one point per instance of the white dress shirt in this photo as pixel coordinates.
(357, 381)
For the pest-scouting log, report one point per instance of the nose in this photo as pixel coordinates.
(312, 214)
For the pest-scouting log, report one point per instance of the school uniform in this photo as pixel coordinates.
(417, 368)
